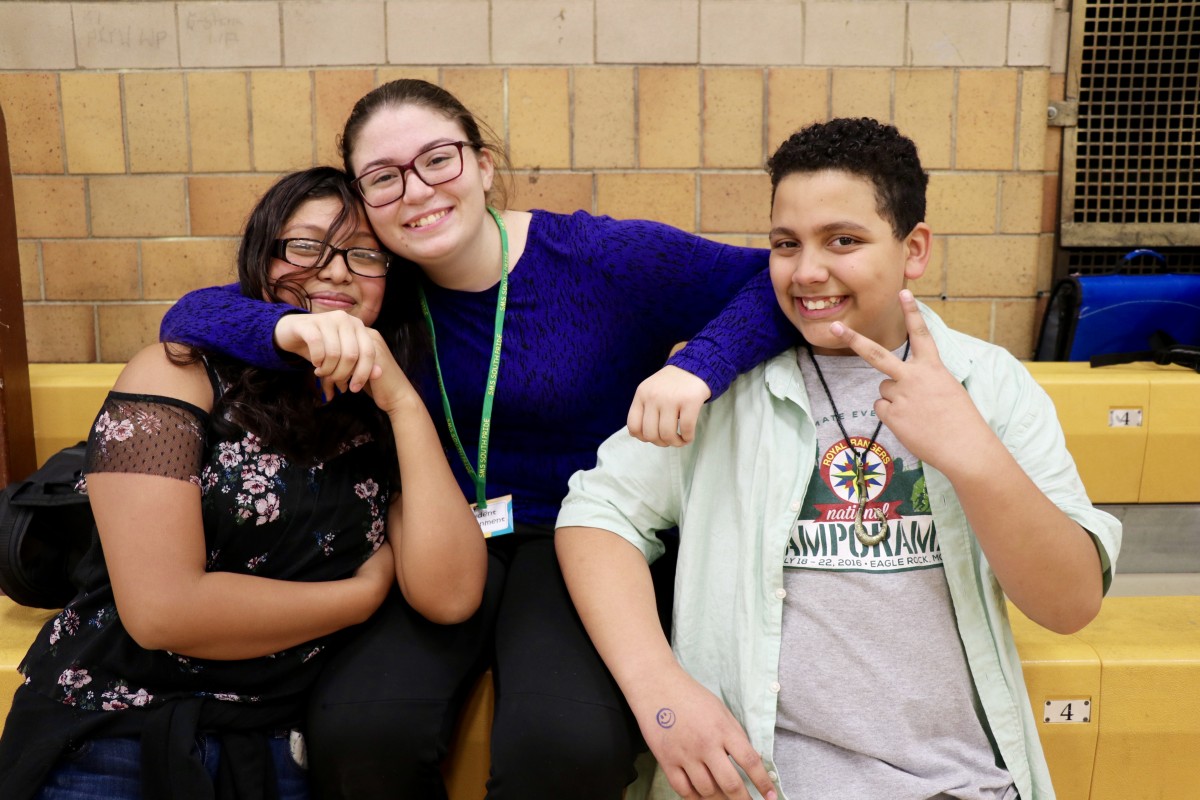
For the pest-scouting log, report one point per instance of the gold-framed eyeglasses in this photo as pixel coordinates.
(434, 165)
(312, 254)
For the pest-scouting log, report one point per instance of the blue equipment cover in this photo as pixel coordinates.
(1091, 317)
(1120, 313)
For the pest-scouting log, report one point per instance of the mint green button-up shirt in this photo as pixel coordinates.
(735, 493)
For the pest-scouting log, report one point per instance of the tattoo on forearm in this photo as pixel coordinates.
(665, 718)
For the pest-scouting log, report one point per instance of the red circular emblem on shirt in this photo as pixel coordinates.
(838, 469)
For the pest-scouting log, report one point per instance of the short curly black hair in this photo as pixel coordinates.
(867, 148)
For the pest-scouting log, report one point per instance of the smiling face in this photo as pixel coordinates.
(332, 286)
(429, 225)
(834, 258)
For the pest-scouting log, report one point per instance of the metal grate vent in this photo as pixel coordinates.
(1130, 173)
(1101, 260)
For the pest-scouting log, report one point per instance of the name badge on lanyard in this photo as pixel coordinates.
(495, 516)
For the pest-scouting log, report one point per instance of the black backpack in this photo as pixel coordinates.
(46, 527)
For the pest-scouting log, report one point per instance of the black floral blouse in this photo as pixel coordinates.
(263, 515)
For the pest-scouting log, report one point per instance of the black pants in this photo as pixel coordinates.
(384, 712)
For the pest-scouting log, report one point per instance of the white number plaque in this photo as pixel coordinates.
(1074, 710)
(1124, 418)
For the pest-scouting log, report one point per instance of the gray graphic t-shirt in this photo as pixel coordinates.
(876, 698)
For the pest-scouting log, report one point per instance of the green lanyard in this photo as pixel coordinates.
(489, 394)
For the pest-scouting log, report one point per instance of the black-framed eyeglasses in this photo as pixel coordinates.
(312, 254)
(434, 165)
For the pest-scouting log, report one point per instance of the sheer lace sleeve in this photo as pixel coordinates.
(148, 434)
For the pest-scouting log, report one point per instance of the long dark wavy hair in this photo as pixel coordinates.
(283, 408)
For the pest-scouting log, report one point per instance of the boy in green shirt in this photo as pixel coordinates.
(852, 515)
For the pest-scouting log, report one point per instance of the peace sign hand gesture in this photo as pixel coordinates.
(923, 405)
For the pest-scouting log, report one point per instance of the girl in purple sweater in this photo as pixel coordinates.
(541, 328)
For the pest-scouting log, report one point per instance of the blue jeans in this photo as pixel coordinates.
(110, 769)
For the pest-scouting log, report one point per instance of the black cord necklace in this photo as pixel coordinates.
(859, 461)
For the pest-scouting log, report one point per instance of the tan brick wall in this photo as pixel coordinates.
(141, 132)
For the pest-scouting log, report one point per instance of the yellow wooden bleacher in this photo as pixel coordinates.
(1133, 676)
(1137, 668)
(1126, 425)
(65, 400)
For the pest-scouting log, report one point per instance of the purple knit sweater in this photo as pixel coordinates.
(594, 305)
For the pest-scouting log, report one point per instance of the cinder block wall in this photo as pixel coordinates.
(141, 132)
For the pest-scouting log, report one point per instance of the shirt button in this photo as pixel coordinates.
(775, 687)
(781, 593)
(774, 776)
(795, 506)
